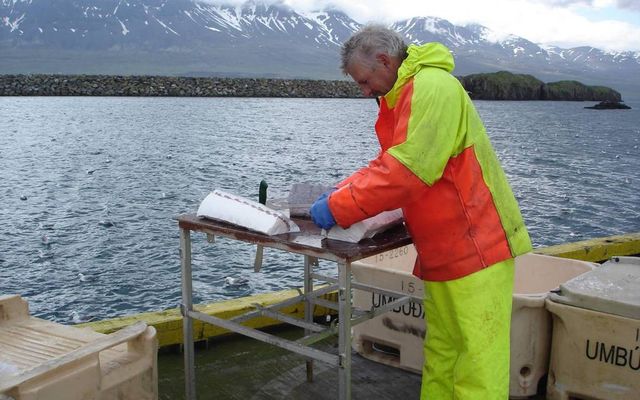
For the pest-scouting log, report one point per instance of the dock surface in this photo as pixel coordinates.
(241, 368)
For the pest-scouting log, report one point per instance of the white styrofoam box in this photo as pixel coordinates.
(228, 207)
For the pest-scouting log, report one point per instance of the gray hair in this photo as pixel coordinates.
(370, 40)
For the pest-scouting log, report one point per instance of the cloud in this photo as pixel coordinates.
(564, 3)
(633, 5)
(564, 23)
(561, 26)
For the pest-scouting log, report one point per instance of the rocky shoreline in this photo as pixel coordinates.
(494, 86)
(104, 85)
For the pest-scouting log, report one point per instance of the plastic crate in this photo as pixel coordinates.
(396, 338)
(595, 351)
(45, 360)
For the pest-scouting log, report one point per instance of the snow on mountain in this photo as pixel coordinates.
(150, 21)
(421, 29)
(336, 24)
(256, 38)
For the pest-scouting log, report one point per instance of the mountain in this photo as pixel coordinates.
(196, 38)
(476, 50)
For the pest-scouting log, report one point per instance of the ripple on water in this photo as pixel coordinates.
(88, 199)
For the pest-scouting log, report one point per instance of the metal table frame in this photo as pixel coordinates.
(313, 246)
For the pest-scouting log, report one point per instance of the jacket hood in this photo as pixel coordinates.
(430, 55)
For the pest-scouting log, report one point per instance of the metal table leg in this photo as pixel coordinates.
(187, 322)
(309, 262)
(344, 339)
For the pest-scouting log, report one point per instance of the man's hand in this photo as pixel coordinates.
(321, 213)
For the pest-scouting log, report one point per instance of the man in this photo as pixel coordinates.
(437, 164)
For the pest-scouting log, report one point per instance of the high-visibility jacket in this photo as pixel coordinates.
(437, 164)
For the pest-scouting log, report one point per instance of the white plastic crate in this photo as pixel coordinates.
(396, 338)
(595, 350)
(44, 360)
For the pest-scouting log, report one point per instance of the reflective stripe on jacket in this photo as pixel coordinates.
(437, 164)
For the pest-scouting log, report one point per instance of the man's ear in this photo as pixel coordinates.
(383, 59)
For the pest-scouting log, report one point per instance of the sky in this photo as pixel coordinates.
(612, 25)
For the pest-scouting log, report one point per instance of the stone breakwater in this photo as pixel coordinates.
(102, 85)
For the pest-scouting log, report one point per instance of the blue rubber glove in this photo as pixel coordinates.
(321, 213)
(326, 194)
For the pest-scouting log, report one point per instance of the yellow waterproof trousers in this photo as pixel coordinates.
(467, 343)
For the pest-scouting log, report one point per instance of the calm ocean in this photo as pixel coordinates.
(90, 187)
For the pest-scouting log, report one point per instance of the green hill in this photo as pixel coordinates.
(505, 85)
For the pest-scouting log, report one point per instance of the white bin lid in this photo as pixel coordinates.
(613, 288)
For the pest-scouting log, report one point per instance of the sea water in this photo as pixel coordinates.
(90, 187)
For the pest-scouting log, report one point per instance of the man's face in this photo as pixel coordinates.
(374, 78)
